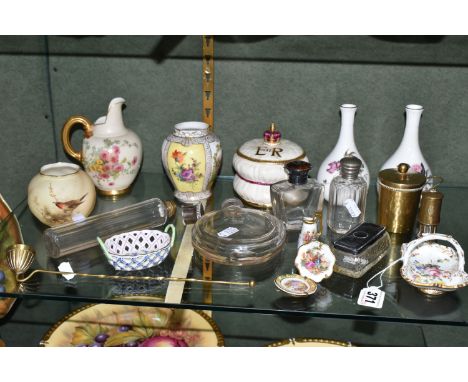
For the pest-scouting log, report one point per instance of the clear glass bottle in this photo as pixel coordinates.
(347, 198)
(78, 236)
(298, 196)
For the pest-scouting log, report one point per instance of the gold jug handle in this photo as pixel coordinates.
(66, 142)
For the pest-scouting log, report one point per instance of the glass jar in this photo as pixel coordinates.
(347, 199)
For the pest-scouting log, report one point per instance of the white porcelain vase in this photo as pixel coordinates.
(409, 151)
(345, 146)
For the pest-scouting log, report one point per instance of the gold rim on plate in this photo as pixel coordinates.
(310, 285)
(309, 342)
(203, 315)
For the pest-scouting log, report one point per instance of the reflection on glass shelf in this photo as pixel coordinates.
(335, 297)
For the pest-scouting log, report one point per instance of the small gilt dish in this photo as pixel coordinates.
(295, 285)
(315, 261)
(432, 267)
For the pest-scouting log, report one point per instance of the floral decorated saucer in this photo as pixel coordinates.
(315, 261)
(432, 267)
(295, 285)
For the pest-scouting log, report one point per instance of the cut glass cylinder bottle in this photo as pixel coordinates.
(78, 236)
(347, 198)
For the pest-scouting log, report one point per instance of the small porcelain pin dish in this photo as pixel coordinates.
(315, 261)
(432, 267)
(295, 285)
(137, 250)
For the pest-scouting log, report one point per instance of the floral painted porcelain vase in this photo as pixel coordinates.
(192, 157)
(345, 146)
(111, 153)
(61, 193)
(409, 151)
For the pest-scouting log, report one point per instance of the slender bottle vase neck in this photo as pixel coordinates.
(347, 125)
(411, 135)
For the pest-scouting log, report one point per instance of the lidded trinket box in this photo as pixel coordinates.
(260, 162)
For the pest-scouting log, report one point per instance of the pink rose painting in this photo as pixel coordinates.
(333, 166)
(109, 164)
(418, 168)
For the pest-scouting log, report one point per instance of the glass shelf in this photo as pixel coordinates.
(336, 297)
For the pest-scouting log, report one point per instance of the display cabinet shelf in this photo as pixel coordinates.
(336, 297)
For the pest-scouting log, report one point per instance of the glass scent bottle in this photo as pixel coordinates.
(347, 198)
(298, 196)
(311, 230)
(78, 236)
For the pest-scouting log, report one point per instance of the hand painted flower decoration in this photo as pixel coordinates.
(104, 155)
(110, 163)
(185, 172)
(178, 156)
(333, 166)
(418, 168)
(187, 175)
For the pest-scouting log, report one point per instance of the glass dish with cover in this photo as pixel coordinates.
(244, 240)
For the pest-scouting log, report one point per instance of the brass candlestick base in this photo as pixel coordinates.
(20, 257)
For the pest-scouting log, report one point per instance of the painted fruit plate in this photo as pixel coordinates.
(295, 285)
(309, 342)
(106, 325)
(315, 261)
(10, 234)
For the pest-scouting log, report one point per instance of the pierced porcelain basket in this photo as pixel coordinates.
(432, 267)
(137, 250)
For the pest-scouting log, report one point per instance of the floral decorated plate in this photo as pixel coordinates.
(432, 267)
(104, 325)
(315, 261)
(295, 285)
(309, 342)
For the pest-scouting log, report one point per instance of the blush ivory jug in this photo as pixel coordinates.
(111, 154)
(345, 146)
(409, 151)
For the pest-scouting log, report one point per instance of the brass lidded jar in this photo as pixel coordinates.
(399, 195)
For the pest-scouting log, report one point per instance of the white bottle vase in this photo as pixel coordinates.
(330, 167)
(409, 151)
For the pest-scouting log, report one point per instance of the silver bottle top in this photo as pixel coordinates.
(350, 166)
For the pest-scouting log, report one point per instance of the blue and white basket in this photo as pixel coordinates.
(137, 250)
